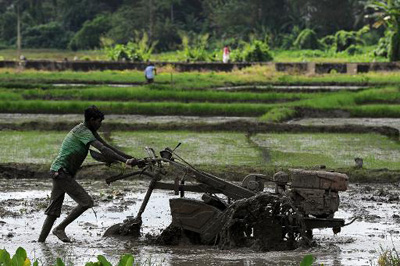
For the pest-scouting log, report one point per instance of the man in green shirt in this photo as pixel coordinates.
(73, 152)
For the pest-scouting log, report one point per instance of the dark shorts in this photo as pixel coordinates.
(65, 183)
(149, 80)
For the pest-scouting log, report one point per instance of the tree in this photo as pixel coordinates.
(387, 12)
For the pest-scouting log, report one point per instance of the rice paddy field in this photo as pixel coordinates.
(227, 149)
(253, 120)
(35, 105)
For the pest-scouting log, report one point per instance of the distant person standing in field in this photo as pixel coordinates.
(225, 55)
(149, 73)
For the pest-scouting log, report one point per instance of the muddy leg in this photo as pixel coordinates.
(59, 231)
(47, 225)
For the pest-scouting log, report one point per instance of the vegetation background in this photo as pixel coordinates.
(134, 29)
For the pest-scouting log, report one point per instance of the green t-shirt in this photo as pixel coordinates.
(74, 149)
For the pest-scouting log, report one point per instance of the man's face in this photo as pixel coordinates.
(95, 124)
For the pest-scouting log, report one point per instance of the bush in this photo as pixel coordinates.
(137, 51)
(383, 46)
(287, 40)
(344, 39)
(307, 39)
(195, 48)
(88, 37)
(256, 51)
(122, 52)
(51, 35)
(354, 49)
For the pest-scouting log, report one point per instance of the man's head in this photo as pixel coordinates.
(93, 117)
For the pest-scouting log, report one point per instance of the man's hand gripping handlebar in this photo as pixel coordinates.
(136, 162)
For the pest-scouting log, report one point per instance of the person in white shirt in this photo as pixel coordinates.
(225, 55)
(149, 73)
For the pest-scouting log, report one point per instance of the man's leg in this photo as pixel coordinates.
(59, 231)
(53, 211)
(47, 225)
(78, 194)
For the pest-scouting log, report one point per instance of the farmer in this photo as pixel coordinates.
(149, 73)
(73, 152)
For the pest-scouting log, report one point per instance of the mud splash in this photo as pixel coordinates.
(23, 203)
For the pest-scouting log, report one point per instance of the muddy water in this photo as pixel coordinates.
(22, 203)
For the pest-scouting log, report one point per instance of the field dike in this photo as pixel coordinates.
(238, 124)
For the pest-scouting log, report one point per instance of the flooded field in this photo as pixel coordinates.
(22, 203)
(389, 122)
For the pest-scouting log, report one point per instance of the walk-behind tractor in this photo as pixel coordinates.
(238, 215)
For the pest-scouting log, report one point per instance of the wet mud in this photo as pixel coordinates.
(23, 202)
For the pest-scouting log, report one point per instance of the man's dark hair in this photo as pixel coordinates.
(93, 112)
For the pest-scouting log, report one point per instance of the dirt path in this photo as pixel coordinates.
(23, 201)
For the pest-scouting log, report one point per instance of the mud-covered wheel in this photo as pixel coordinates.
(293, 227)
(263, 222)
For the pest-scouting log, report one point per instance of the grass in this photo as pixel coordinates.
(145, 108)
(145, 100)
(326, 56)
(388, 257)
(255, 75)
(278, 114)
(224, 149)
(30, 147)
(144, 93)
(387, 94)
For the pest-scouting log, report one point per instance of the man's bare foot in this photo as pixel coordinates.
(61, 235)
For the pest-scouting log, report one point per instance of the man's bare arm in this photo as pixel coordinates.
(109, 152)
(111, 147)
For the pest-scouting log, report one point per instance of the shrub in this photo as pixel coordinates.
(383, 45)
(117, 52)
(307, 39)
(344, 39)
(195, 48)
(88, 37)
(137, 51)
(287, 40)
(354, 49)
(255, 51)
